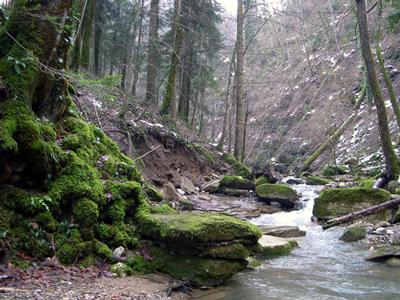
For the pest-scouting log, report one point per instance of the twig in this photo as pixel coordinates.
(140, 157)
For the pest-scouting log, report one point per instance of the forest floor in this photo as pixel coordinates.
(55, 282)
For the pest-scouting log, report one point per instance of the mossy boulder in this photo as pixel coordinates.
(228, 158)
(189, 230)
(312, 180)
(236, 182)
(261, 180)
(332, 170)
(281, 193)
(205, 248)
(205, 272)
(367, 183)
(242, 170)
(354, 233)
(337, 202)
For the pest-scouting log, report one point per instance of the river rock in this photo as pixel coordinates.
(119, 251)
(392, 186)
(284, 231)
(236, 182)
(354, 233)
(396, 239)
(119, 269)
(384, 254)
(335, 202)
(187, 185)
(204, 248)
(281, 193)
(210, 187)
(272, 245)
(312, 180)
(295, 181)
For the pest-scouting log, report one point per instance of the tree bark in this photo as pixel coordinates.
(98, 25)
(386, 141)
(362, 213)
(152, 53)
(239, 128)
(169, 102)
(87, 34)
(128, 83)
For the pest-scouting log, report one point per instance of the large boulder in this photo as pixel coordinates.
(281, 193)
(337, 202)
(386, 254)
(241, 169)
(204, 248)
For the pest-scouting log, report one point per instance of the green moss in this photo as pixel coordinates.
(241, 169)
(367, 183)
(312, 180)
(137, 264)
(68, 247)
(268, 190)
(332, 170)
(338, 202)
(103, 251)
(201, 271)
(86, 213)
(187, 204)
(261, 180)
(235, 182)
(153, 194)
(47, 221)
(197, 228)
(305, 174)
(228, 158)
(231, 251)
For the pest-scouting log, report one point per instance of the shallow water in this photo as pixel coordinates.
(321, 268)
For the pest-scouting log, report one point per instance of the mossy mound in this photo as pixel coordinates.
(228, 158)
(235, 182)
(312, 180)
(367, 183)
(337, 202)
(153, 194)
(281, 193)
(332, 170)
(242, 170)
(261, 180)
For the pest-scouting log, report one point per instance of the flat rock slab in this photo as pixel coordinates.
(284, 231)
(187, 185)
(273, 245)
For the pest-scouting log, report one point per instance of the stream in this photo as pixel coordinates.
(322, 267)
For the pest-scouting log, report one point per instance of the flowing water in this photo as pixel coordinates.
(322, 267)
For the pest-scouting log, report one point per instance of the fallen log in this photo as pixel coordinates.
(362, 213)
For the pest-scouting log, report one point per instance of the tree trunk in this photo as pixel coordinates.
(386, 142)
(115, 46)
(362, 213)
(128, 83)
(239, 126)
(152, 53)
(98, 30)
(38, 92)
(138, 60)
(169, 102)
(87, 34)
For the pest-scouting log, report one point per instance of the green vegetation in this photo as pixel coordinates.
(235, 182)
(241, 169)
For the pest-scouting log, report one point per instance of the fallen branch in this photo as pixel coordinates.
(362, 213)
(140, 157)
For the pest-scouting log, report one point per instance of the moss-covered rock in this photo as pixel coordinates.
(153, 194)
(236, 182)
(191, 229)
(272, 245)
(242, 170)
(312, 180)
(186, 204)
(228, 158)
(337, 202)
(354, 233)
(261, 180)
(367, 183)
(202, 271)
(281, 193)
(332, 170)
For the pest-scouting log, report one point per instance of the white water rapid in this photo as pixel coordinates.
(321, 268)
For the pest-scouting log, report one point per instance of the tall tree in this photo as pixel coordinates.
(98, 30)
(152, 53)
(87, 33)
(239, 126)
(386, 141)
(169, 101)
(129, 82)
